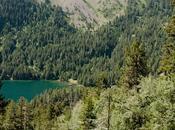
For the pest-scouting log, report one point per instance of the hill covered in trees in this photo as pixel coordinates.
(87, 108)
(138, 102)
(129, 64)
(37, 42)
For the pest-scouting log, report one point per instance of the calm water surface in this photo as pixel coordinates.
(28, 89)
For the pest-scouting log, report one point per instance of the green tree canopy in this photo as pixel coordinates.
(3, 103)
(135, 65)
(167, 62)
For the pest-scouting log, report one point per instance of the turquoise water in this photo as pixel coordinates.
(28, 89)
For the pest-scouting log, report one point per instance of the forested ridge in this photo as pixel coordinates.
(127, 68)
(37, 42)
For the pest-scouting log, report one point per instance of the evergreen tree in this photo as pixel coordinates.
(1, 122)
(27, 117)
(3, 103)
(167, 62)
(2, 107)
(102, 80)
(10, 117)
(42, 118)
(88, 115)
(20, 116)
(135, 65)
(23, 115)
(109, 99)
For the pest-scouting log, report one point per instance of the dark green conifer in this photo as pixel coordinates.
(135, 65)
(3, 103)
(102, 80)
(167, 62)
(88, 115)
(23, 115)
(9, 122)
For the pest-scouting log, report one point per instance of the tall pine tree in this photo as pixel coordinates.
(23, 115)
(3, 103)
(135, 65)
(88, 115)
(9, 122)
(167, 62)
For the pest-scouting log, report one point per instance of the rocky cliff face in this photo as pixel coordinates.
(89, 13)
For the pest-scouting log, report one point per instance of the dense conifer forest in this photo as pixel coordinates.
(126, 68)
(37, 42)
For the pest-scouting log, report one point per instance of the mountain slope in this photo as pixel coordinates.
(45, 46)
(88, 13)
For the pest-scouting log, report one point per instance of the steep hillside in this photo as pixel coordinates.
(88, 13)
(126, 68)
(44, 46)
(62, 109)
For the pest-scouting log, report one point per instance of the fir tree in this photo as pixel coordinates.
(88, 115)
(23, 115)
(135, 65)
(3, 103)
(102, 80)
(167, 62)
(10, 117)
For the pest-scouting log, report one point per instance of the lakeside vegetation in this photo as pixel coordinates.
(45, 46)
(148, 103)
(127, 66)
